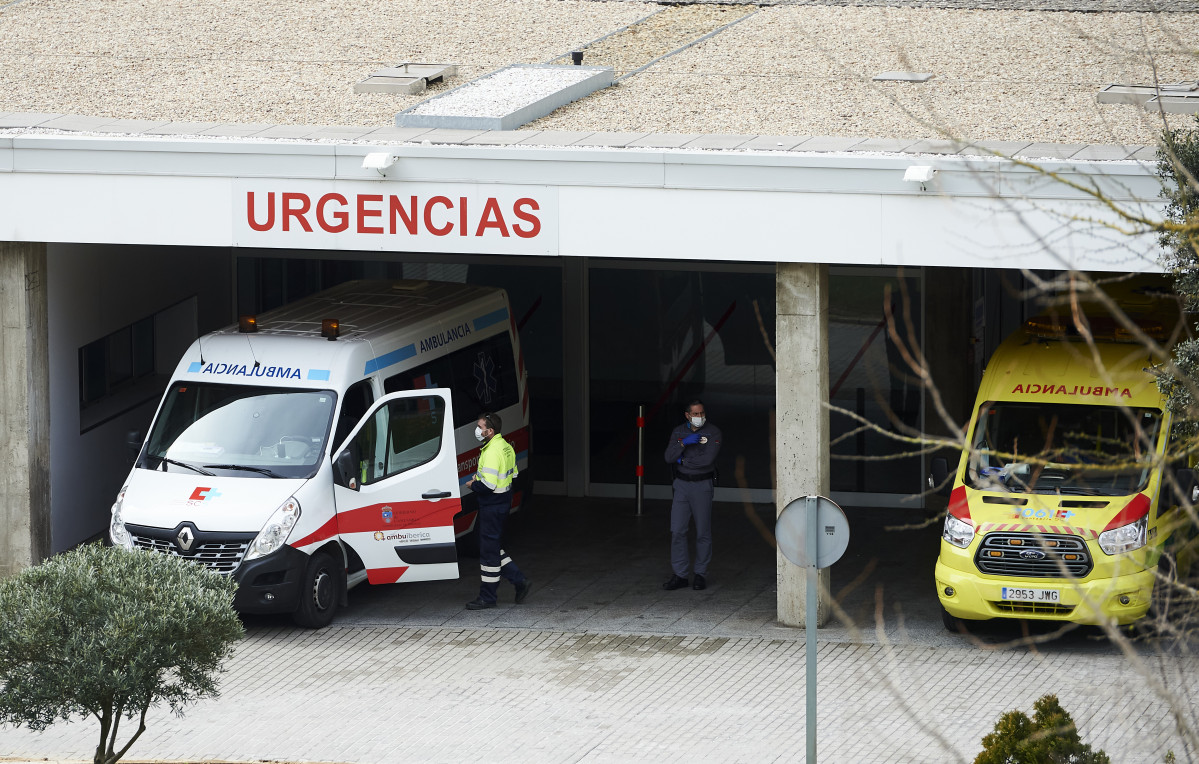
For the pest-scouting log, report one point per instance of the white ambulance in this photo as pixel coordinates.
(329, 442)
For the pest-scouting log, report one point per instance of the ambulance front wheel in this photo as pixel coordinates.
(952, 622)
(319, 592)
(1162, 597)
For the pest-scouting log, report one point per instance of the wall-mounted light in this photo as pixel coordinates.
(378, 161)
(919, 173)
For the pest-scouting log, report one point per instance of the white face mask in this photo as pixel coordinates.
(478, 434)
(698, 421)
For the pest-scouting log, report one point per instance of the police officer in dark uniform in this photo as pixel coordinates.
(692, 454)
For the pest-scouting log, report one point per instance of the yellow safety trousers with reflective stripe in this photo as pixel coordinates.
(497, 465)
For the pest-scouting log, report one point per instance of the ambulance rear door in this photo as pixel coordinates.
(396, 488)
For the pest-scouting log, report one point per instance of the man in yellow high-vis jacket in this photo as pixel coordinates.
(492, 484)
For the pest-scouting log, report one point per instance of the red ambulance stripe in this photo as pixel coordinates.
(468, 461)
(959, 506)
(518, 439)
(1018, 528)
(463, 523)
(385, 575)
(1136, 509)
(323, 533)
(404, 514)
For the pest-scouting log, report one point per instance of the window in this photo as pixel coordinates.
(116, 361)
(1057, 448)
(355, 403)
(247, 430)
(401, 435)
(481, 377)
(129, 367)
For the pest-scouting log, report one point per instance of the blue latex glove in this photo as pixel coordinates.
(680, 460)
(691, 439)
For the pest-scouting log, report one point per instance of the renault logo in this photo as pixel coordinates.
(185, 539)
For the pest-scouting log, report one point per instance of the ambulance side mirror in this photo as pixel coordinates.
(938, 479)
(1188, 487)
(344, 473)
(133, 444)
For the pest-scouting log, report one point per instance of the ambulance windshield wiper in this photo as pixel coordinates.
(194, 468)
(259, 470)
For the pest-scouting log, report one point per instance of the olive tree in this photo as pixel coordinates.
(109, 632)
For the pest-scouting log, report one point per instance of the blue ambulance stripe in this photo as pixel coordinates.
(389, 359)
(321, 375)
(482, 322)
(194, 367)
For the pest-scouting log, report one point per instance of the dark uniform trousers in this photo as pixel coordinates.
(692, 500)
(493, 561)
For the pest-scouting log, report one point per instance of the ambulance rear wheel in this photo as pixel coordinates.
(319, 592)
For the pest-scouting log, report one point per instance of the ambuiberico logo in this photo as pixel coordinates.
(404, 537)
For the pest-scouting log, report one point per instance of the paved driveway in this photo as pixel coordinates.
(601, 665)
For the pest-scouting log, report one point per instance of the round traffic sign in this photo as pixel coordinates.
(831, 528)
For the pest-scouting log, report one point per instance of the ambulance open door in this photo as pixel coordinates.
(396, 488)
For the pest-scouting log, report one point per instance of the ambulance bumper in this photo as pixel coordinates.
(1123, 599)
(270, 584)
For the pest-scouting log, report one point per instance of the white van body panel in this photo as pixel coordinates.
(165, 499)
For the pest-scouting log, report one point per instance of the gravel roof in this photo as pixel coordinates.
(997, 75)
(794, 69)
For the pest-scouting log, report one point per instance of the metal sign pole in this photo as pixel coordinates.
(810, 620)
(798, 532)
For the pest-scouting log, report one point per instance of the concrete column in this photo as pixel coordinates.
(24, 408)
(802, 421)
(575, 361)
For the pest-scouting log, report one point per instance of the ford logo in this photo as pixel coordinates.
(1032, 554)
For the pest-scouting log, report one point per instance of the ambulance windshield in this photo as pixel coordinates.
(240, 430)
(1063, 448)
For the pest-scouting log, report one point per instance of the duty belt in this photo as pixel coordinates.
(694, 478)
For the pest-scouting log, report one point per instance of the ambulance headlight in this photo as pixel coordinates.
(117, 531)
(957, 532)
(1125, 538)
(274, 534)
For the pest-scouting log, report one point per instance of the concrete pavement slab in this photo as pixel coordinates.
(369, 694)
(600, 664)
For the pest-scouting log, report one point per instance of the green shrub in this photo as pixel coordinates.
(1048, 738)
(108, 632)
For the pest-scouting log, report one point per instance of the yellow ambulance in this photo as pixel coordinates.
(1060, 507)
